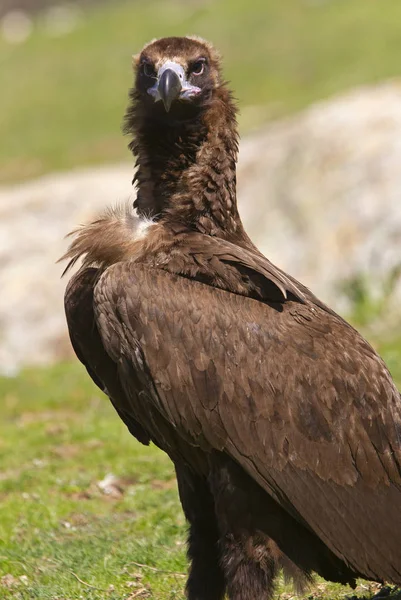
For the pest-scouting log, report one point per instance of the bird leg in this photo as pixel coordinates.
(249, 566)
(249, 558)
(206, 578)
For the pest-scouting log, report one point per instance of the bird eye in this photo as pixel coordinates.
(148, 69)
(198, 66)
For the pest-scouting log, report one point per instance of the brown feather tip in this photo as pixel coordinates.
(109, 239)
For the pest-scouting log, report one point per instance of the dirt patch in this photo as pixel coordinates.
(53, 416)
(158, 484)
(65, 451)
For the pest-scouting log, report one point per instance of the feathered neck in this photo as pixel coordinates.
(187, 170)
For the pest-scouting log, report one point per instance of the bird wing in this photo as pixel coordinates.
(87, 344)
(288, 390)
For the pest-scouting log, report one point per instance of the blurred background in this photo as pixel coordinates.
(319, 93)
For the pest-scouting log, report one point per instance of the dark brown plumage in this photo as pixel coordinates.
(283, 424)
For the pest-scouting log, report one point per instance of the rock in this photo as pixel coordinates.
(34, 220)
(320, 194)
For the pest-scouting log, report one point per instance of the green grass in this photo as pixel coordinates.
(59, 437)
(59, 531)
(62, 100)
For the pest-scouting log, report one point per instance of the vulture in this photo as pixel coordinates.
(283, 424)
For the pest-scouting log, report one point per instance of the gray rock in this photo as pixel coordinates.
(321, 192)
(34, 220)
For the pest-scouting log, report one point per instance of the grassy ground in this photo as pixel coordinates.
(66, 532)
(62, 99)
(59, 439)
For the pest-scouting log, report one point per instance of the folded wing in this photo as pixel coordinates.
(287, 389)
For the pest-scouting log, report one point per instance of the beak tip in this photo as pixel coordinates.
(169, 88)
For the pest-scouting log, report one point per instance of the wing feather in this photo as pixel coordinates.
(88, 346)
(292, 393)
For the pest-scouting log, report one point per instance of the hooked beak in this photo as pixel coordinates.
(169, 87)
(171, 84)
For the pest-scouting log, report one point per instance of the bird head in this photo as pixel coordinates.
(176, 76)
